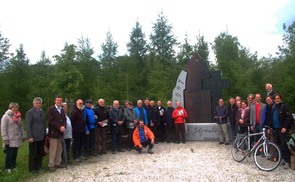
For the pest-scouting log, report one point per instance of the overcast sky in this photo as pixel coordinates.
(40, 25)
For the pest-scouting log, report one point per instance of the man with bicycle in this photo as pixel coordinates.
(256, 115)
(282, 121)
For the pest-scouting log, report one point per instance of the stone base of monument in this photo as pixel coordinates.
(204, 131)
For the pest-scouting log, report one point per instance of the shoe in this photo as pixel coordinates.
(139, 151)
(177, 142)
(69, 162)
(283, 162)
(78, 160)
(156, 142)
(8, 171)
(174, 141)
(99, 153)
(113, 152)
(128, 149)
(226, 143)
(92, 154)
(60, 166)
(103, 152)
(86, 156)
(150, 151)
(15, 170)
(162, 141)
(122, 150)
(52, 169)
(221, 143)
(34, 172)
(168, 141)
(184, 142)
(83, 158)
(287, 165)
(41, 169)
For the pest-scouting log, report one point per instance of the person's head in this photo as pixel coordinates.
(159, 103)
(269, 100)
(220, 102)
(250, 98)
(277, 98)
(130, 104)
(258, 98)
(238, 98)
(139, 103)
(79, 103)
(65, 107)
(101, 102)
(152, 103)
(141, 124)
(244, 104)
(37, 103)
(126, 103)
(268, 87)
(88, 103)
(13, 106)
(178, 104)
(169, 104)
(232, 101)
(116, 104)
(58, 100)
(146, 101)
(239, 104)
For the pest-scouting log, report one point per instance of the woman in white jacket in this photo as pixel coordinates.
(13, 135)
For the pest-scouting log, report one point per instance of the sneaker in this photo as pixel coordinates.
(128, 149)
(220, 143)
(150, 151)
(83, 158)
(15, 170)
(52, 169)
(8, 171)
(287, 165)
(78, 160)
(226, 143)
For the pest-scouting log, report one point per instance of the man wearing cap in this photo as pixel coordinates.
(131, 119)
(89, 138)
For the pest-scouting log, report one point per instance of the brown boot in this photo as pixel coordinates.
(60, 166)
(52, 169)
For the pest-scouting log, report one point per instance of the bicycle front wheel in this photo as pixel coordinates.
(267, 156)
(238, 149)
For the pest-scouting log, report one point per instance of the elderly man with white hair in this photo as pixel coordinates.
(141, 112)
(102, 117)
(116, 119)
(270, 91)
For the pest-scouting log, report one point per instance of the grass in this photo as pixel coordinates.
(22, 163)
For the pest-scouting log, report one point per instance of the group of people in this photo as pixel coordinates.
(274, 115)
(86, 127)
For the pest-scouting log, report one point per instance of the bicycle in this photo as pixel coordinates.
(267, 155)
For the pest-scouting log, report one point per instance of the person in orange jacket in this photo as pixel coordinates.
(179, 114)
(143, 137)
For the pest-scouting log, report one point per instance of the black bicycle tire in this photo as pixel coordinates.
(232, 152)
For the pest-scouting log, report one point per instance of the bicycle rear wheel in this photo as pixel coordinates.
(238, 149)
(268, 156)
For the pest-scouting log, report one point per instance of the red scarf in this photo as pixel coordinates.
(16, 116)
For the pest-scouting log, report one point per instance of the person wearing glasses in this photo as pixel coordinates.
(282, 121)
(36, 134)
(57, 124)
(78, 128)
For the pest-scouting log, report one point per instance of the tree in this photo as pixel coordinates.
(67, 77)
(137, 46)
(185, 54)
(202, 48)
(4, 48)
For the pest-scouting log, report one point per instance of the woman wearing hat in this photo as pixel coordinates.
(13, 135)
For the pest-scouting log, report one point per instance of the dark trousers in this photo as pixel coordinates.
(68, 146)
(10, 160)
(100, 139)
(281, 139)
(234, 129)
(130, 143)
(145, 144)
(171, 134)
(179, 127)
(243, 130)
(257, 129)
(36, 155)
(154, 130)
(89, 141)
(77, 144)
(117, 138)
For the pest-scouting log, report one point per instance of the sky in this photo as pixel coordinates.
(47, 25)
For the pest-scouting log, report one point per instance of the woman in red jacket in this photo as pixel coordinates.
(179, 114)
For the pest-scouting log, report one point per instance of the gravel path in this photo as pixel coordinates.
(170, 162)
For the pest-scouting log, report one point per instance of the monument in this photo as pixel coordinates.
(192, 91)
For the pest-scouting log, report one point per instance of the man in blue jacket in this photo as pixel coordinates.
(220, 116)
(141, 112)
(89, 138)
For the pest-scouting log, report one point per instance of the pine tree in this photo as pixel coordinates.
(137, 46)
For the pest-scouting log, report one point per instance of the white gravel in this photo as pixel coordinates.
(170, 162)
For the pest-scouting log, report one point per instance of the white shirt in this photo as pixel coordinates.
(68, 130)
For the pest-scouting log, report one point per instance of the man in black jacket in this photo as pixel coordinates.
(100, 131)
(282, 121)
(232, 111)
(116, 118)
(160, 133)
(169, 123)
(149, 113)
(270, 91)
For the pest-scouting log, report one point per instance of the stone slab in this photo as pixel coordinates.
(204, 132)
